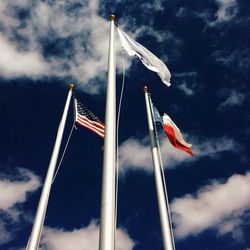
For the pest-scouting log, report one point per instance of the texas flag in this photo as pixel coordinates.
(172, 131)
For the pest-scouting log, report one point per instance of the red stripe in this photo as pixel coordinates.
(99, 124)
(90, 126)
(93, 126)
(91, 123)
(171, 136)
(86, 121)
(92, 129)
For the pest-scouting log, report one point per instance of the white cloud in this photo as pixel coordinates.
(16, 63)
(16, 191)
(191, 74)
(187, 90)
(83, 238)
(233, 98)
(156, 5)
(218, 206)
(232, 226)
(136, 154)
(187, 82)
(75, 31)
(227, 9)
(65, 39)
(16, 188)
(237, 59)
(5, 235)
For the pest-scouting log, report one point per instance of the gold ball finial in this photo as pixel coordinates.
(71, 86)
(112, 18)
(145, 88)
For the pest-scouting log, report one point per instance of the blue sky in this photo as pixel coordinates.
(44, 45)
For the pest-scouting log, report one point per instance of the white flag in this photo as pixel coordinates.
(147, 58)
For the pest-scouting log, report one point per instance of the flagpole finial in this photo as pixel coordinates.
(145, 88)
(71, 86)
(112, 17)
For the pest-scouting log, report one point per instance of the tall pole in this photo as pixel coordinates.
(33, 243)
(107, 221)
(166, 227)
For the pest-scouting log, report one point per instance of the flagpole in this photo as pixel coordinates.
(107, 220)
(166, 227)
(33, 243)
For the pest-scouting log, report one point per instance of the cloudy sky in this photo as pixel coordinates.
(46, 44)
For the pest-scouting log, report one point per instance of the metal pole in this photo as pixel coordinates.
(33, 243)
(166, 227)
(107, 221)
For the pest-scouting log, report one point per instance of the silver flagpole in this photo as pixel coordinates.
(166, 227)
(107, 221)
(33, 243)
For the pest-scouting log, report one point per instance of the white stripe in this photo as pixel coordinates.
(76, 111)
(84, 121)
(168, 121)
(91, 128)
(90, 125)
(99, 124)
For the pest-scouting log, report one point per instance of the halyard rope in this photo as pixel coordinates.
(117, 134)
(65, 148)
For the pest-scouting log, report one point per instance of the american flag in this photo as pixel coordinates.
(87, 119)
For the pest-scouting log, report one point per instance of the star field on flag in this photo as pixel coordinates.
(87, 119)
